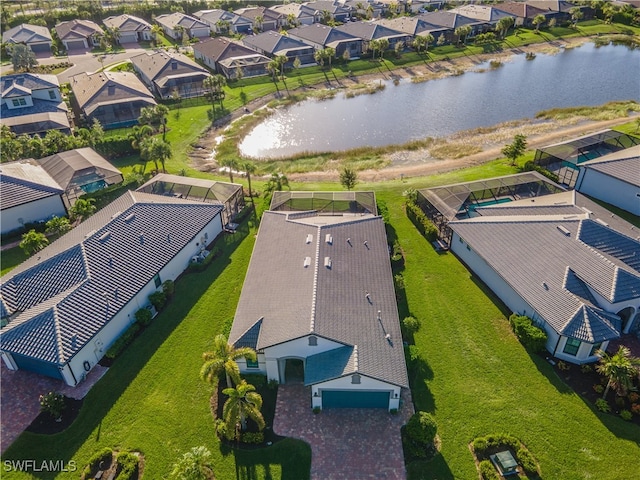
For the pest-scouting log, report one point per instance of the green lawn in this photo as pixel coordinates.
(10, 258)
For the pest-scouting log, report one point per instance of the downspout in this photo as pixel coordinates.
(557, 343)
(75, 380)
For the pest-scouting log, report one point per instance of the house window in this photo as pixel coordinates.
(19, 102)
(595, 348)
(355, 379)
(572, 346)
(252, 364)
(157, 281)
(313, 341)
(52, 94)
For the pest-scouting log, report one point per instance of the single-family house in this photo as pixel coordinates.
(176, 23)
(113, 98)
(227, 57)
(323, 36)
(296, 14)
(131, 29)
(63, 308)
(395, 7)
(452, 21)
(559, 10)
(488, 14)
(222, 22)
(76, 34)
(35, 37)
(329, 10)
(367, 9)
(32, 104)
(273, 44)
(579, 279)
(80, 171)
(368, 31)
(613, 178)
(328, 317)
(29, 195)
(229, 195)
(523, 13)
(416, 26)
(165, 72)
(262, 18)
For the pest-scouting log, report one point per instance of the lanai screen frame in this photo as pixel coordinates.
(325, 203)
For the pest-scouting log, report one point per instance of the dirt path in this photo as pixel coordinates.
(420, 162)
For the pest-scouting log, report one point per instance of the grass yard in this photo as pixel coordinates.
(10, 258)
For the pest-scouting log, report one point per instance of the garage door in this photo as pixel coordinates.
(40, 47)
(354, 399)
(75, 44)
(43, 368)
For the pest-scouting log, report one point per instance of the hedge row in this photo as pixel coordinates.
(488, 471)
(492, 443)
(532, 337)
(103, 457)
(115, 147)
(127, 466)
(529, 166)
(125, 339)
(420, 220)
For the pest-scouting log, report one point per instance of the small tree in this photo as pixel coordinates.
(194, 465)
(243, 403)
(539, 20)
(348, 178)
(276, 183)
(58, 226)
(516, 148)
(22, 58)
(419, 435)
(53, 403)
(33, 242)
(83, 208)
(223, 359)
(576, 15)
(620, 369)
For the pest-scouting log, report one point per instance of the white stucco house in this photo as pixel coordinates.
(318, 305)
(562, 260)
(63, 307)
(613, 178)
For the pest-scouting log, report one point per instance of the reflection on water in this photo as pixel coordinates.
(519, 89)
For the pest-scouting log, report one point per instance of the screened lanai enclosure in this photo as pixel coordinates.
(325, 203)
(461, 200)
(208, 191)
(564, 159)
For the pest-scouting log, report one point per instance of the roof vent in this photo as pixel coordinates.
(168, 238)
(74, 341)
(115, 215)
(141, 239)
(602, 222)
(327, 262)
(544, 284)
(366, 244)
(104, 237)
(564, 230)
(90, 234)
(328, 238)
(174, 65)
(307, 261)
(309, 238)
(130, 218)
(349, 241)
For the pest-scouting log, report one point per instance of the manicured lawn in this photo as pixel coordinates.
(10, 258)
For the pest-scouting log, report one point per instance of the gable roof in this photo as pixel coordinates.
(104, 88)
(25, 181)
(298, 10)
(522, 9)
(70, 168)
(483, 13)
(216, 15)
(175, 19)
(158, 64)
(27, 82)
(569, 263)
(317, 287)
(552, 5)
(93, 271)
(274, 42)
(412, 25)
(26, 33)
(220, 48)
(448, 19)
(127, 23)
(370, 30)
(623, 165)
(322, 34)
(252, 13)
(76, 29)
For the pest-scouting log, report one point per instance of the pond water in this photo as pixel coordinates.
(519, 89)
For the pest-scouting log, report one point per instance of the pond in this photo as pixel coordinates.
(408, 111)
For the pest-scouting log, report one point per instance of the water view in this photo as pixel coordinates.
(408, 111)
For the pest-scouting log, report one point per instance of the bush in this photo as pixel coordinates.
(383, 211)
(115, 147)
(412, 356)
(586, 368)
(419, 434)
(633, 397)
(317, 410)
(122, 341)
(273, 384)
(635, 408)
(399, 281)
(102, 459)
(598, 388)
(168, 288)
(563, 366)
(53, 403)
(625, 415)
(127, 466)
(421, 222)
(488, 471)
(603, 405)
(251, 437)
(529, 166)
(527, 461)
(479, 445)
(143, 317)
(256, 379)
(533, 338)
(158, 299)
(410, 325)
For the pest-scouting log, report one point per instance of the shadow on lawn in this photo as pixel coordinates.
(294, 457)
(436, 468)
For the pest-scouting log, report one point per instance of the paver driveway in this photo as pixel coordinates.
(346, 443)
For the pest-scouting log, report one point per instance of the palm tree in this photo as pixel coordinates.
(250, 168)
(215, 85)
(243, 403)
(420, 42)
(539, 20)
(276, 183)
(156, 31)
(194, 465)
(462, 33)
(576, 15)
(503, 25)
(33, 242)
(223, 359)
(258, 22)
(138, 134)
(58, 226)
(329, 53)
(155, 149)
(155, 116)
(620, 369)
(231, 164)
(83, 208)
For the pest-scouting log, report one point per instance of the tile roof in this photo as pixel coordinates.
(77, 29)
(221, 48)
(552, 5)
(25, 181)
(40, 118)
(127, 23)
(307, 293)
(252, 13)
(330, 364)
(175, 19)
(274, 42)
(159, 64)
(412, 25)
(370, 30)
(522, 9)
(563, 258)
(26, 33)
(78, 167)
(93, 271)
(29, 81)
(481, 12)
(106, 88)
(624, 169)
(448, 19)
(321, 34)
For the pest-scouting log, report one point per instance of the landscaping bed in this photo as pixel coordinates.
(45, 424)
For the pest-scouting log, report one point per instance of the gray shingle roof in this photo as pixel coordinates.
(274, 42)
(370, 30)
(330, 364)
(175, 19)
(78, 167)
(76, 29)
(23, 182)
(90, 276)
(220, 48)
(321, 34)
(30, 81)
(295, 294)
(158, 64)
(448, 19)
(26, 33)
(127, 23)
(545, 277)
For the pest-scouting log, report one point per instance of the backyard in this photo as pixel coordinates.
(473, 375)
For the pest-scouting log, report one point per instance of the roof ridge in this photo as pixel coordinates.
(56, 329)
(314, 294)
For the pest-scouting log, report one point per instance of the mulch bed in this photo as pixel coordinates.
(45, 424)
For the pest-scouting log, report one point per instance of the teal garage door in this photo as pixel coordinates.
(33, 365)
(354, 399)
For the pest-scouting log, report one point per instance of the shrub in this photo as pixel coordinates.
(411, 355)
(158, 299)
(143, 317)
(383, 211)
(563, 366)
(625, 415)
(399, 281)
(635, 408)
(273, 384)
(479, 444)
(603, 405)
(168, 288)
(527, 461)
(421, 222)
(533, 338)
(586, 368)
(256, 379)
(410, 325)
(317, 410)
(620, 401)
(393, 411)
(53, 403)
(114, 147)
(598, 388)
(530, 165)
(251, 437)
(419, 434)
(127, 466)
(633, 397)
(102, 459)
(488, 471)
(124, 340)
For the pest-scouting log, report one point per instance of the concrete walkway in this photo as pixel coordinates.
(349, 443)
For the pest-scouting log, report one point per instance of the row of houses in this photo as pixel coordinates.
(85, 34)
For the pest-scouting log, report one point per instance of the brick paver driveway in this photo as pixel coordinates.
(348, 443)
